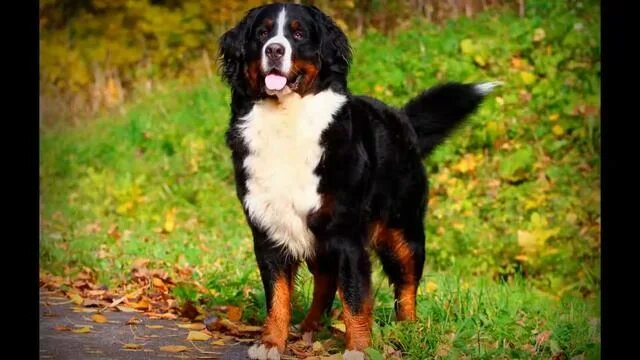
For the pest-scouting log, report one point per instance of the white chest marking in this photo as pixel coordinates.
(284, 149)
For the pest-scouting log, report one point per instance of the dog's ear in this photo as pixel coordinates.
(231, 47)
(335, 50)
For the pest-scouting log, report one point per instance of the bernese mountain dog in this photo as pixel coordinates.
(326, 177)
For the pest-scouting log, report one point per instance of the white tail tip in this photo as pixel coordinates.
(487, 87)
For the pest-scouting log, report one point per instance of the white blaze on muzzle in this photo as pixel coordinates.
(277, 82)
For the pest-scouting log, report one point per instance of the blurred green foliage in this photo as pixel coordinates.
(96, 54)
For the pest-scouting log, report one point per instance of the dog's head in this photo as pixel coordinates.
(278, 49)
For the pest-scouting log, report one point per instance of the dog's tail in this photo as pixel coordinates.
(440, 109)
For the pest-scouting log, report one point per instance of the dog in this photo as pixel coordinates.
(324, 176)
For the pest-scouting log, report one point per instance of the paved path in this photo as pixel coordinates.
(106, 341)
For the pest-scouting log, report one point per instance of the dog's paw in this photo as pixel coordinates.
(353, 355)
(263, 352)
(307, 337)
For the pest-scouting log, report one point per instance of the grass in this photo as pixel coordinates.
(513, 226)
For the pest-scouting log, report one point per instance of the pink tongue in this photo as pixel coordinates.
(275, 82)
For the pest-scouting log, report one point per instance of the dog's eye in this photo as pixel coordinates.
(262, 34)
(298, 35)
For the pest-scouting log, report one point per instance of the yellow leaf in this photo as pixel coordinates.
(77, 299)
(479, 60)
(526, 240)
(170, 221)
(378, 89)
(194, 326)
(431, 287)
(126, 309)
(249, 328)
(557, 130)
(466, 46)
(500, 100)
(522, 257)
(538, 34)
(198, 336)
(99, 318)
(339, 326)
(140, 305)
(318, 348)
(554, 117)
(217, 343)
(527, 77)
(173, 348)
(155, 326)
(132, 346)
(82, 330)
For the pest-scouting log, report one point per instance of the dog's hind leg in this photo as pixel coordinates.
(354, 289)
(324, 291)
(401, 251)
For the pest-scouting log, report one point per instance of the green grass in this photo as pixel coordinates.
(513, 226)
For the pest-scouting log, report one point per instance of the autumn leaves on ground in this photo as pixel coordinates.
(139, 212)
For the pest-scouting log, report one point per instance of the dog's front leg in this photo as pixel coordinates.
(277, 278)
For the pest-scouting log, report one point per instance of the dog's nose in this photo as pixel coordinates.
(274, 51)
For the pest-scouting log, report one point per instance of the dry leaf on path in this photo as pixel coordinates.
(99, 318)
(132, 346)
(198, 336)
(234, 313)
(192, 326)
(173, 348)
(82, 330)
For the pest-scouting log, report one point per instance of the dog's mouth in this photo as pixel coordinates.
(275, 81)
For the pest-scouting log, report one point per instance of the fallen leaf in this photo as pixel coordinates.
(173, 348)
(194, 326)
(317, 348)
(527, 77)
(557, 130)
(554, 117)
(132, 346)
(76, 298)
(99, 318)
(158, 283)
(170, 221)
(543, 337)
(189, 310)
(526, 239)
(82, 330)
(134, 321)
(62, 328)
(234, 313)
(198, 336)
(466, 46)
(168, 316)
(431, 287)
(249, 329)
(339, 326)
(113, 232)
(141, 305)
(154, 326)
(538, 34)
(218, 343)
(126, 309)
(85, 310)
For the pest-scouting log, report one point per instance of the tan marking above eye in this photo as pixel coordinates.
(268, 23)
(295, 25)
